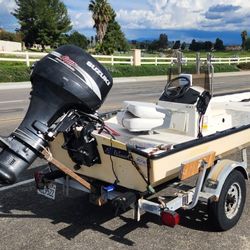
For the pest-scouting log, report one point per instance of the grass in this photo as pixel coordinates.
(152, 70)
(216, 54)
(244, 66)
(218, 68)
(12, 64)
(13, 72)
(219, 54)
(17, 72)
(127, 70)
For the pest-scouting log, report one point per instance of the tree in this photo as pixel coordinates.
(177, 44)
(154, 46)
(42, 22)
(243, 38)
(183, 46)
(163, 41)
(114, 39)
(9, 36)
(101, 14)
(247, 44)
(158, 45)
(78, 39)
(194, 46)
(219, 44)
(207, 46)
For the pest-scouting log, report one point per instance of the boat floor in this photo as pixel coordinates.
(164, 137)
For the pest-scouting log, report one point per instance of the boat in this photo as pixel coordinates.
(126, 155)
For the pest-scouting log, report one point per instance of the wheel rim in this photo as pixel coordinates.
(233, 200)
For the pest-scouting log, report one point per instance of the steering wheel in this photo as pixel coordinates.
(173, 92)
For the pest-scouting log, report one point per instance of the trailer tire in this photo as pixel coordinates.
(226, 212)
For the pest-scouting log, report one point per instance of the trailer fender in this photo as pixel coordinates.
(218, 175)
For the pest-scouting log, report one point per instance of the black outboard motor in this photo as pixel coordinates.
(65, 79)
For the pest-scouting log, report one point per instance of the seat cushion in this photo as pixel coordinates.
(145, 110)
(136, 124)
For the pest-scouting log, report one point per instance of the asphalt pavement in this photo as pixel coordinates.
(29, 221)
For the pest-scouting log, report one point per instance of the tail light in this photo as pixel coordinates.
(170, 218)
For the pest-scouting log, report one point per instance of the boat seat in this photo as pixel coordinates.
(141, 116)
(145, 109)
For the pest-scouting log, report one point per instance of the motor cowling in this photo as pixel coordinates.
(67, 78)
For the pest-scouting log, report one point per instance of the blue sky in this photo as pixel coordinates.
(179, 19)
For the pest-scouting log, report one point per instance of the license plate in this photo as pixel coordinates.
(48, 191)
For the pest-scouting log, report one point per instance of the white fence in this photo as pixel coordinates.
(189, 60)
(114, 59)
(29, 57)
(26, 57)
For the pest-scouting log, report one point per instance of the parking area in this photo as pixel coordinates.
(31, 221)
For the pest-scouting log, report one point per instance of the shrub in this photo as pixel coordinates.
(244, 66)
(152, 70)
(14, 72)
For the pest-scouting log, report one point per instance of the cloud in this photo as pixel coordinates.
(187, 14)
(162, 14)
(221, 11)
(146, 15)
(7, 5)
(159, 5)
(223, 8)
(81, 20)
(211, 15)
(227, 16)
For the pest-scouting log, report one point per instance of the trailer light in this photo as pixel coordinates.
(38, 176)
(170, 218)
(109, 188)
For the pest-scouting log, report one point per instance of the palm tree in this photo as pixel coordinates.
(101, 13)
(244, 38)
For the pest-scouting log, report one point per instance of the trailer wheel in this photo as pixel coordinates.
(226, 212)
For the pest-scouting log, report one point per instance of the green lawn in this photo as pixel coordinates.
(162, 54)
(17, 72)
(193, 54)
(219, 53)
(14, 72)
(10, 64)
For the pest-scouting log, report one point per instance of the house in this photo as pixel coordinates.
(10, 46)
(233, 48)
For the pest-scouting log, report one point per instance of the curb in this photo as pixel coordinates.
(237, 73)
(140, 79)
(15, 85)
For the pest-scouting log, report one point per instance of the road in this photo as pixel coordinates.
(28, 221)
(13, 103)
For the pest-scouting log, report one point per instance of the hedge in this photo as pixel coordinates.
(244, 66)
(17, 72)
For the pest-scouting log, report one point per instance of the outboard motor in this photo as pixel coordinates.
(66, 79)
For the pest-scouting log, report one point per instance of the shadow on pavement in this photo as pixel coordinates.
(80, 215)
(76, 211)
(197, 218)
